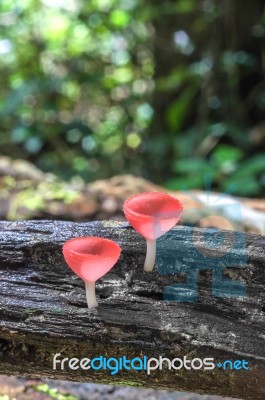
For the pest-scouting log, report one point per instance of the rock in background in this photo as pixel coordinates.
(28, 193)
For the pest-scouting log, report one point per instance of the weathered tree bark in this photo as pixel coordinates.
(43, 311)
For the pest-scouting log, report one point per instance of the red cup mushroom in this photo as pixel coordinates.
(152, 214)
(90, 258)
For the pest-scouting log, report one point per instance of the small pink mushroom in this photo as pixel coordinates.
(90, 258)
(152, 214)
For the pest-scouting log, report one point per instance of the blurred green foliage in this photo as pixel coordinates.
(74, 81)
(173, 90)
(53, 393)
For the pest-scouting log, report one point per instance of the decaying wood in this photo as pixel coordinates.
(43, 311)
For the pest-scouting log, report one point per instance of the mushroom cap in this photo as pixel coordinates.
(152, 214)
(91, 257)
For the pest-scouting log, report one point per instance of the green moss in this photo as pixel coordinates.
(57, 191)
(44, 388)
(36, 198)
(10, 183)
(128, 383)
(28, 199)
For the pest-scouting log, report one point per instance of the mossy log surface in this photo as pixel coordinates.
(43, 311)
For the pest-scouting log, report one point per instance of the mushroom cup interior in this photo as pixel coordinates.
(154, 205)
(97, 247)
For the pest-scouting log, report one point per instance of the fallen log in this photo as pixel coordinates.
(43, 309)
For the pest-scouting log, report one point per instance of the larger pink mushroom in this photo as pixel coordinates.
(90, 258)
(152, 214)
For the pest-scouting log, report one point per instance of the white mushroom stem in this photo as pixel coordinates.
(150, 255)
(91, 294)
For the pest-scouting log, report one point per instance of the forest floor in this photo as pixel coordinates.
(12, 388)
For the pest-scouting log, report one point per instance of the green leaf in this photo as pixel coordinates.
(175, 79)
(184, 183)
(193, 165)
(177, 110)
(224, 152)
(185, 6)
(253, 166)
(243, 186)
(119, 18)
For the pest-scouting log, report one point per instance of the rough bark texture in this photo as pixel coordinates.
(43, 311)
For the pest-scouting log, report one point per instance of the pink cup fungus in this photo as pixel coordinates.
(152, 214)
(90, 258)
